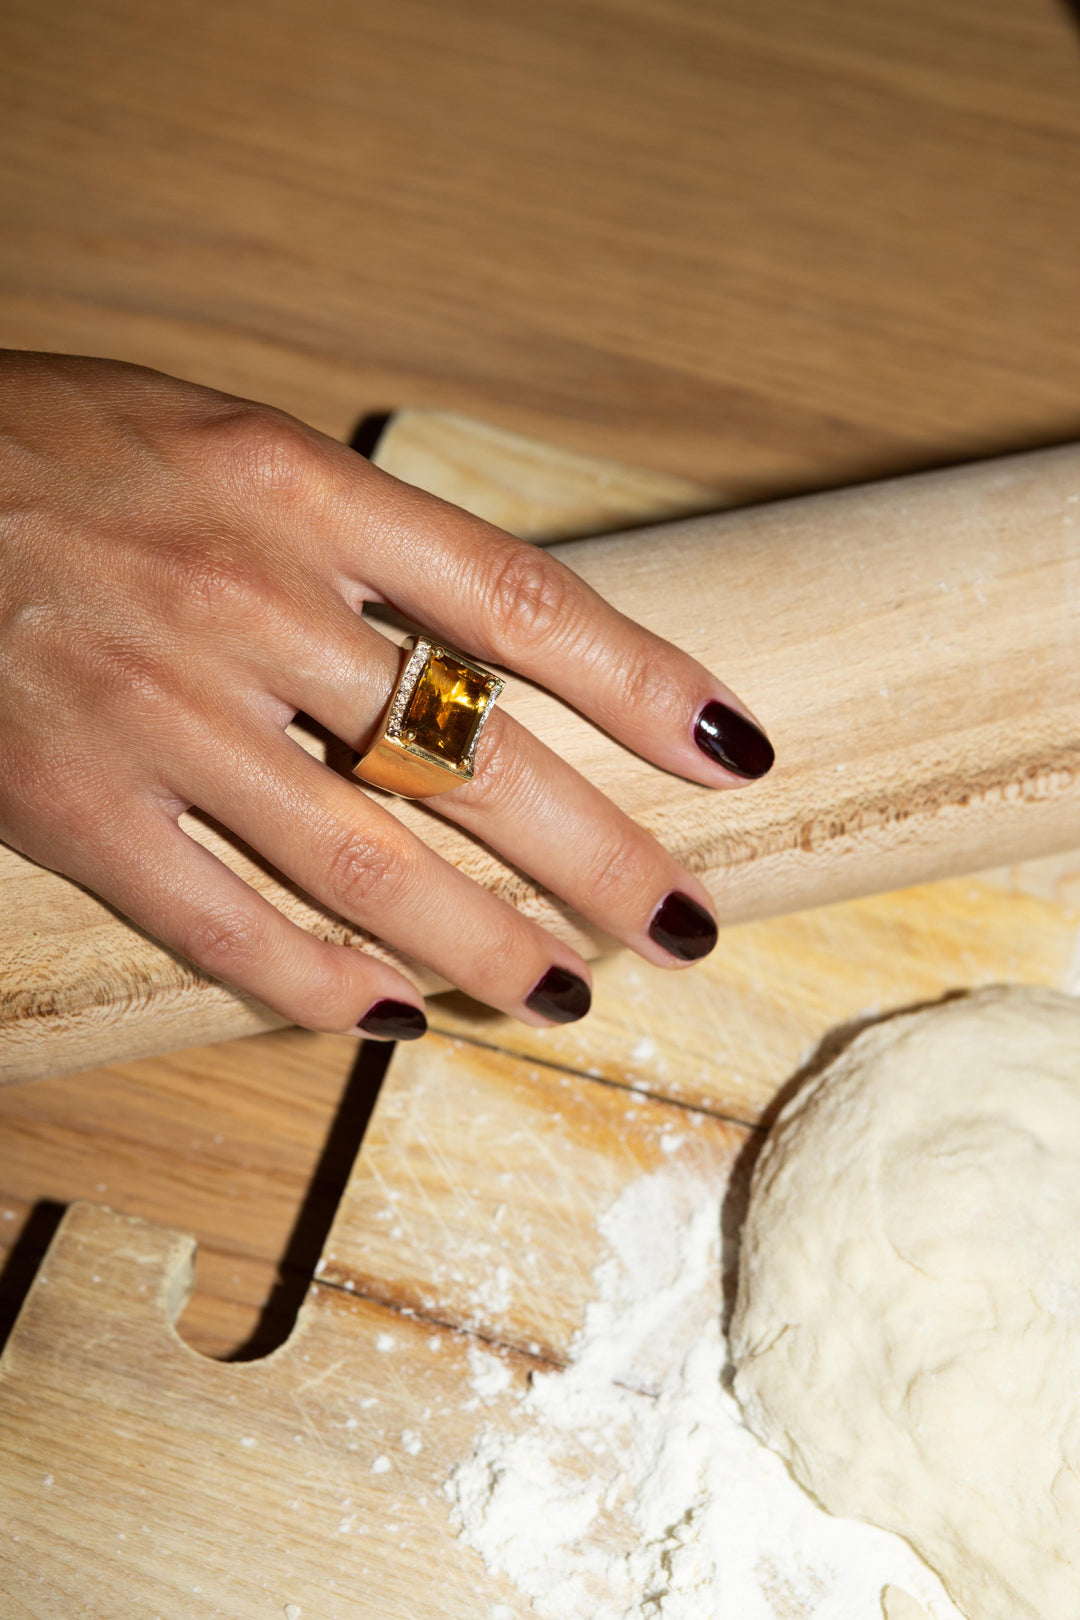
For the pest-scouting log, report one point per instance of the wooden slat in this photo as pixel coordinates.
(535, 490)
(724, 1037)
(220, 1141)
(294, 1478)
(476, 1197)
(772, 996)
(140, 1479)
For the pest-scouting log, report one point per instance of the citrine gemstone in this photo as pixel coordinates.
(446, 707)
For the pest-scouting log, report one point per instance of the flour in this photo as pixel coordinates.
(629, 1488)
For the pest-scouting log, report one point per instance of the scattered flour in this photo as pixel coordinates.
(627, 1488)
(489, 1375)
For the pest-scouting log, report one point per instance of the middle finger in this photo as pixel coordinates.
(544, 817)
(355, 857)
(524, 801)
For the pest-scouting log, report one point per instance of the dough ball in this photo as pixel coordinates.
(907, 1326)
(898, 1605)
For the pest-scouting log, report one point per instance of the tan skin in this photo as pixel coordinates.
(180, 573)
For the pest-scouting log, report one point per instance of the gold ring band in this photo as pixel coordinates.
(426, 742)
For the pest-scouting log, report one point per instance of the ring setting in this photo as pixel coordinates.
(426, 743)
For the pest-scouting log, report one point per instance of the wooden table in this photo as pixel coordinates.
(763, 243)
(765, 246)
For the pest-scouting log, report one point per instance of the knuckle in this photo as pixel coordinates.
(642, 685)
(207, 578)
(495, 959)
(364, 869)
(617, 870)
(529, 597)
(224, 943)
(264, 451)
(127, 677)
(331, 1000)
(46, 798)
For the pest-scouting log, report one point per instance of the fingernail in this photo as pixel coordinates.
(561, 996)
(394, 1021)
(733, 741)
(683, 927)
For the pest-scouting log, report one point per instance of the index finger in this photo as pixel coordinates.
(515, 605)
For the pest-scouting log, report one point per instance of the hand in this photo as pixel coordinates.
(182, 572)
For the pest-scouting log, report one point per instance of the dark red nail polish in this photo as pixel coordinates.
(683, 927)
(394, 1021)
(733, 741)
(561, 996)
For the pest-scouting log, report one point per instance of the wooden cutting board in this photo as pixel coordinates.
(140, 1479)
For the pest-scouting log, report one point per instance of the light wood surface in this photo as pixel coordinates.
(315, 1477)
(839, 241)
(472, 1210)
(143, 1479)
(913, 649)
(772, 996)
(536, 490)
(764, 244)
(227, 1142)
(226, 1139)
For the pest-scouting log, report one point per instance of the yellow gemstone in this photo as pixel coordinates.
(446, 707)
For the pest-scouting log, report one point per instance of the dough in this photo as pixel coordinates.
(907, 1325)
(898, 1605)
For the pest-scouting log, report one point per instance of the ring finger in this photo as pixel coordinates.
(354, 856)
(539, 813)
(544, 816)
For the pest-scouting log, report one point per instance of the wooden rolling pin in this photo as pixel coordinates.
(912, 648)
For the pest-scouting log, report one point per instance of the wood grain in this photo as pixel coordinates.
(223, 1142)
(536, 490)
(476, 1196)
(128, 1132)
(774, 996)
(316, 1476)
(762, 246)
(912, 647)
(766, 244)
(247, 1491)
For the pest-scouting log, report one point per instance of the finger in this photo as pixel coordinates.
(355, 857)
(542, 815)
(483, 590)
(545, 818)
(191, 901)
(518, 606)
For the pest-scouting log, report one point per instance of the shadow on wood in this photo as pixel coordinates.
(25, 1258)
(316, 1213)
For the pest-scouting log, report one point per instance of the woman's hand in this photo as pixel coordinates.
(181, 572)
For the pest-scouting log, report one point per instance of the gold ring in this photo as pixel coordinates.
(426, 742)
